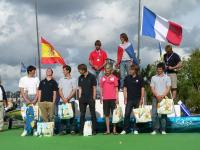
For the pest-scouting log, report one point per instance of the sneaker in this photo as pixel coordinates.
(163, 132)
(123, 132)
(35, 133)
(24, 133)
(153, 133)
(135, 132)
(73, 132)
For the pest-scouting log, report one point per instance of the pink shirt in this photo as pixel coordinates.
(108, 86)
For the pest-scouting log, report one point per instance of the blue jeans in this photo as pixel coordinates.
(124, 71)
(98, 75)
(158, 121)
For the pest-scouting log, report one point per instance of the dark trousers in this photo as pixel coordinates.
(71, 123)
(83, 107)
(128, 110)
(158, 121)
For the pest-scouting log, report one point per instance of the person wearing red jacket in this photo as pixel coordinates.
(97, 60)
(125, 58)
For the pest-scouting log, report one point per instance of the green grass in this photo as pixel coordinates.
(174, 141)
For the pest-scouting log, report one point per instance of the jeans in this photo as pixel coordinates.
(128, 110)
(71, 123)
(124, 71)
(83, 107)
(98, 75)
(158, 121)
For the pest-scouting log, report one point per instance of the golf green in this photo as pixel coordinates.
(11, 140)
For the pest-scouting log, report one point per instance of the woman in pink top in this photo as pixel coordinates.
(109, 96)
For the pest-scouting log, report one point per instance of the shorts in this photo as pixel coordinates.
(108, 106)
(173, 78)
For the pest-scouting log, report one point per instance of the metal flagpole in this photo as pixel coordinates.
(38, 44)
(139, 28)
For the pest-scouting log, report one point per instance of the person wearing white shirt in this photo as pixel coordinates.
(67, 90)
(29, 88)
(3, 101)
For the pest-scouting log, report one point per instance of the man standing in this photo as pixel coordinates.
(3, 102)
(125, 57)
(97, 60)
(67, 90)
(29, 88)
(87, 95)
(160, 87)
(172, 64)
(133, 96)
(47, 96)
(109, 96)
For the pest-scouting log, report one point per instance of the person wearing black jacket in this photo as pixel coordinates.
(3, 101)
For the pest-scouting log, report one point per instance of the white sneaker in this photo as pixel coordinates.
(153, 133)
(24, 133)
(163, 132)
(35, 133)
(123, 132)
(135, 132)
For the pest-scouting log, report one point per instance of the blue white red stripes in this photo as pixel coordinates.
(160, 28)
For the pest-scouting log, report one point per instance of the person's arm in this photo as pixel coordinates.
(125, 95)
(79, 92)
(4, 96)
(168, 87)
(117, 98)
(54, 96)
(94, 92)
(36, 97)
(39, 95)
(65, 100)
(178, 66)
(142, 96)
(24, 96)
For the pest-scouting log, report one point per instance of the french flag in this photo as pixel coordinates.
(128, 47)
(160, 28)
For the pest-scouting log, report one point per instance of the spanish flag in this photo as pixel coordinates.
(49, 54)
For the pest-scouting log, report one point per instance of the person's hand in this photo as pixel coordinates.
(170, 68)
(125, 101)
(159, 97)
(101, 100)
(117, 102)
(66, 100)
(34, 102)
(142, 101)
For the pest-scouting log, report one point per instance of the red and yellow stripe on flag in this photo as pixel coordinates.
(49, 54)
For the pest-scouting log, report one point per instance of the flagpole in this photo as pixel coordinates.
(139, 28)
(38, 45)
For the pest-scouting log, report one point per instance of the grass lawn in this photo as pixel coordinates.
(10, 140)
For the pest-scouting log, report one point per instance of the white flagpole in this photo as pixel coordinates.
(38, 44)
(139, 28)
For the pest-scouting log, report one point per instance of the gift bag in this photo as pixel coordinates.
(45, 128)
(65, 111)
(35, 109)
(117, 115)
(166, 106)
(142, 114)
(87, 130)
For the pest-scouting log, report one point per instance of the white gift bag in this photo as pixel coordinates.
(45, 128)
(35, 108)
(117, 115)
(65, 111)
(87, 131)
(142, 114)
(166, 106)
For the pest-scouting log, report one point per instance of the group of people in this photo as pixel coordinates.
(102, 80)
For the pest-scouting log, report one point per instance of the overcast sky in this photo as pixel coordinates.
(72, 26)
